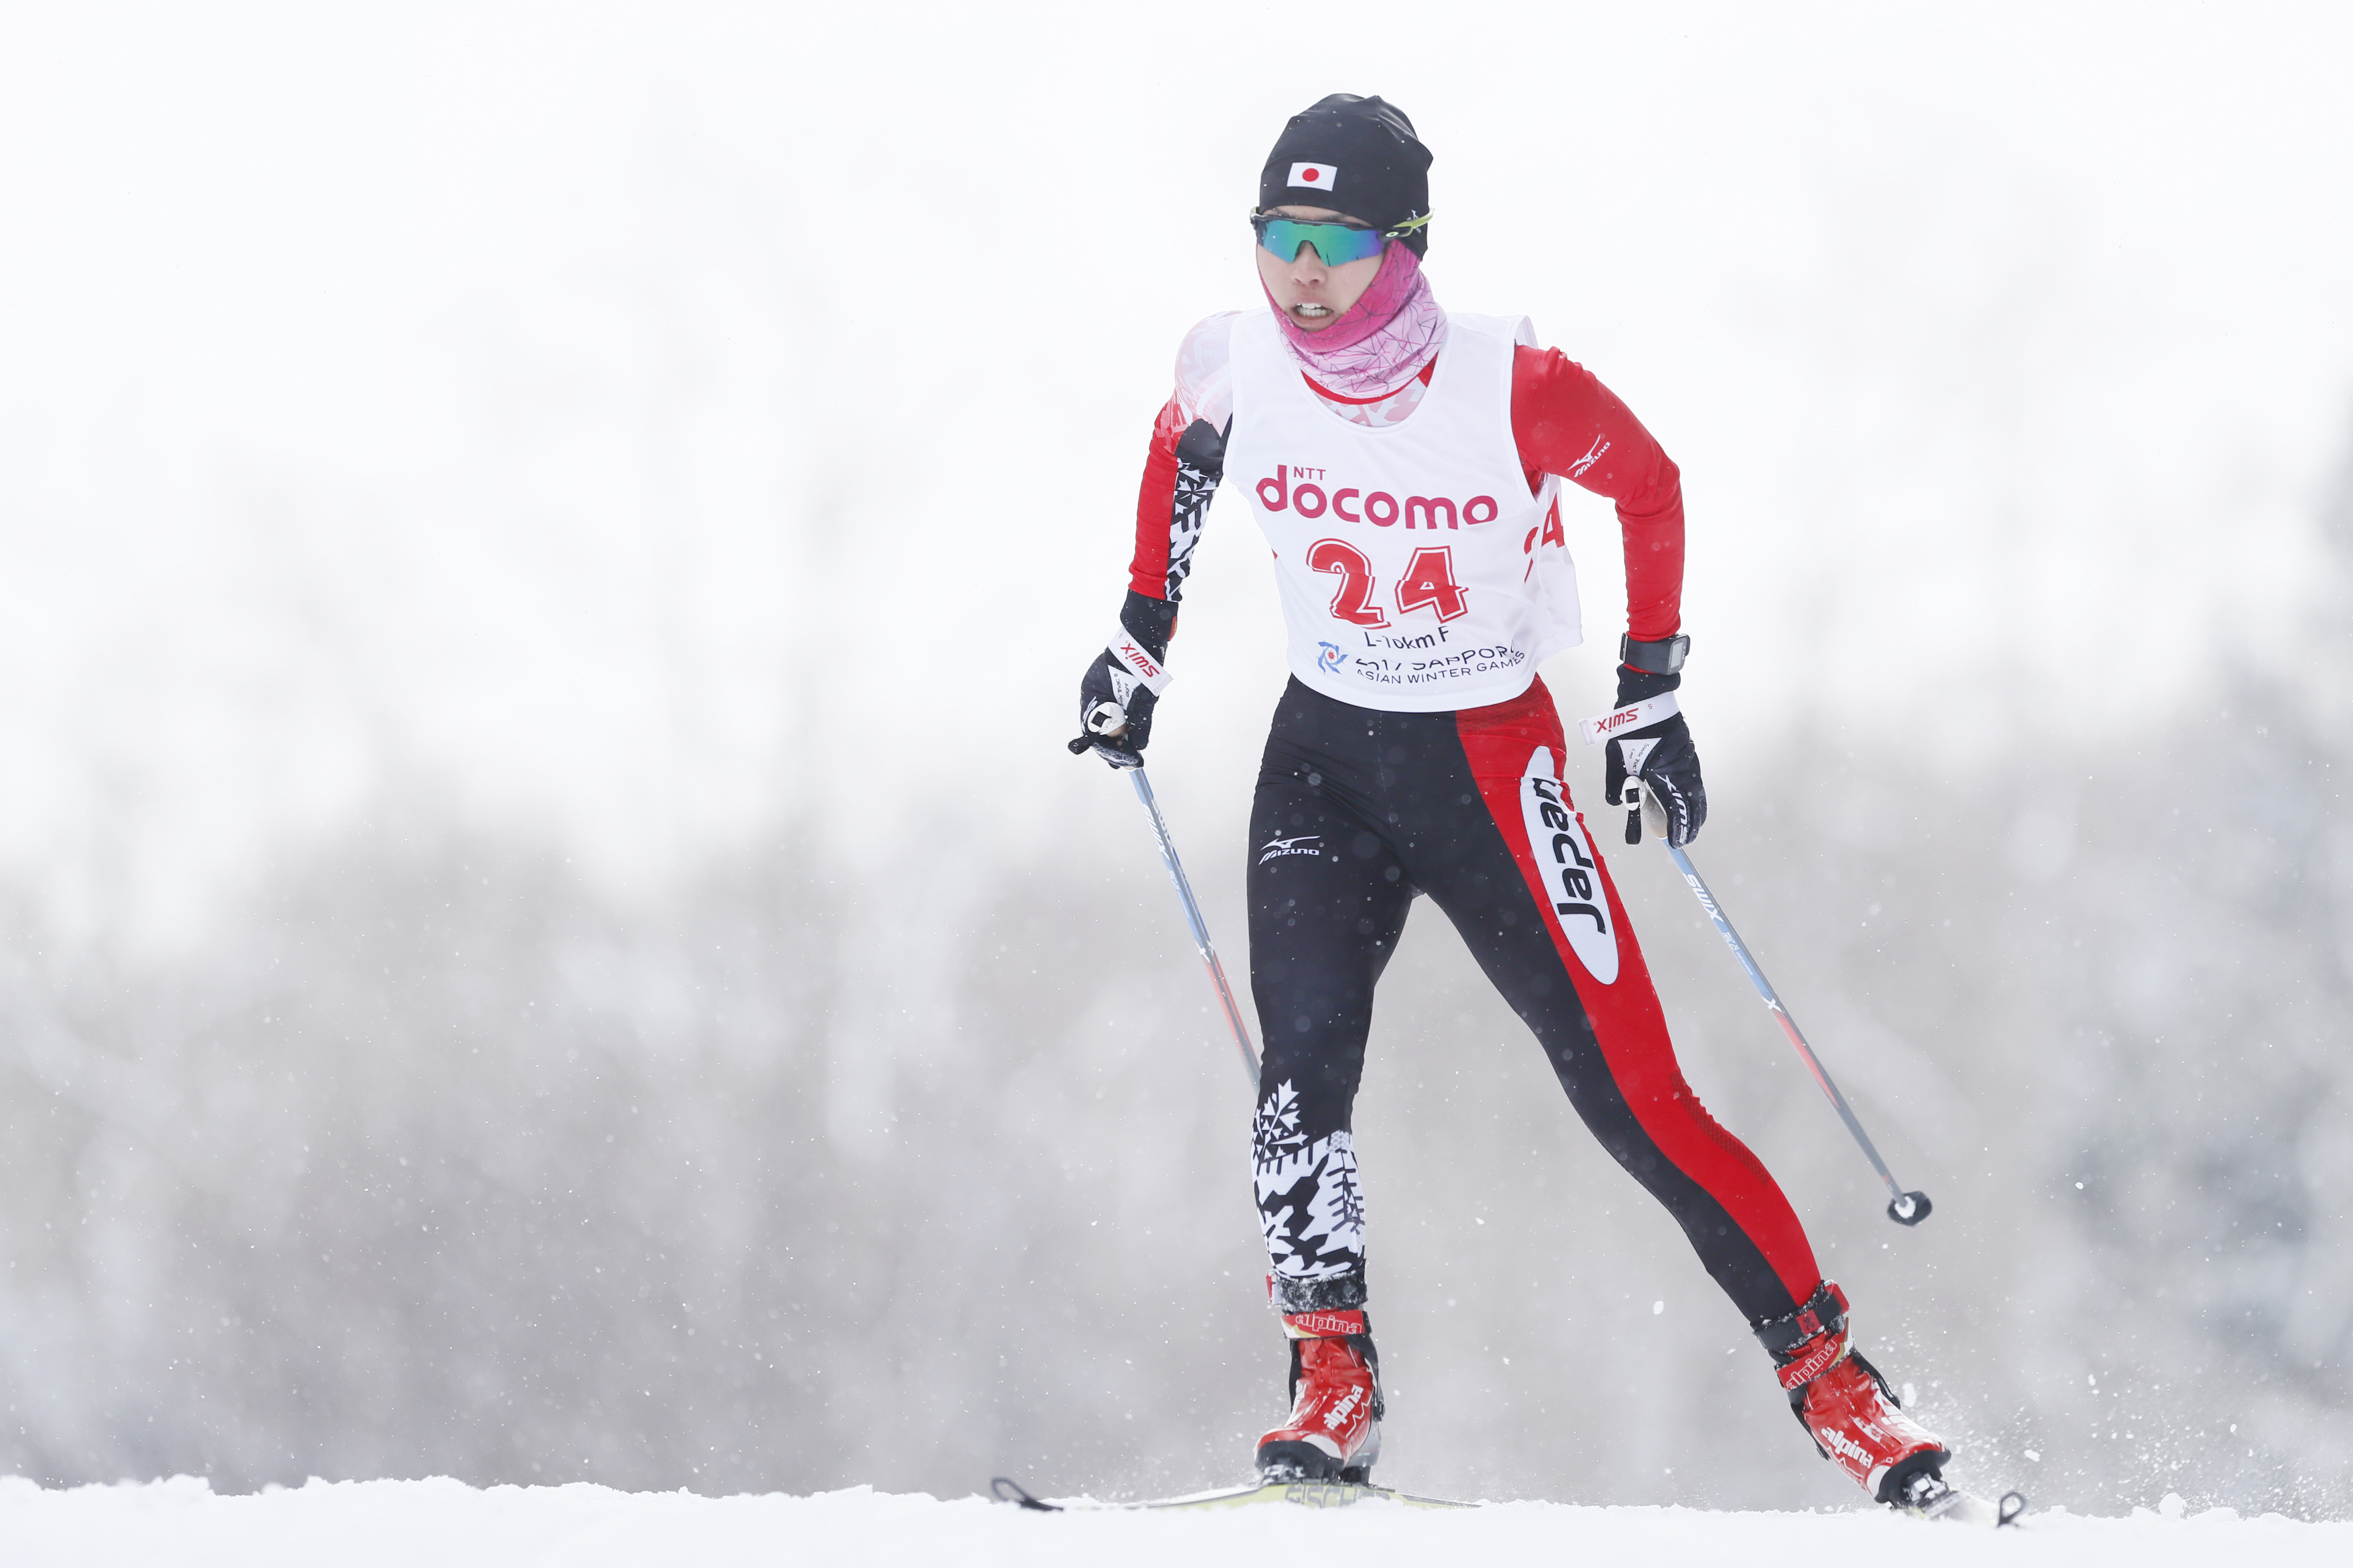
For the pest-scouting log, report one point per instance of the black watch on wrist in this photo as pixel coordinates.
(1664, 657)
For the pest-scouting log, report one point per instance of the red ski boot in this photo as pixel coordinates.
(1334, 1429)
(1849, 1410)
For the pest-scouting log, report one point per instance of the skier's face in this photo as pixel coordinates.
(1307, 290)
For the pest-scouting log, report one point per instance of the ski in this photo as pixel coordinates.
(1949, 1507)
(1298, 1494)
(1953, 1506)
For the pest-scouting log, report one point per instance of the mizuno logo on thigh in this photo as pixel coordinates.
(1310, 845)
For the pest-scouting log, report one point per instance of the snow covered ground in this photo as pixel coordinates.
(445, 1522)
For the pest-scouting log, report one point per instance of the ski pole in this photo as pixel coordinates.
(1135, 770)
(1903, 1207)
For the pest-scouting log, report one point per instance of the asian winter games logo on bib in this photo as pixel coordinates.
(1570, 872)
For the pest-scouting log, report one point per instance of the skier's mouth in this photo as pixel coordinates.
(1312, 312)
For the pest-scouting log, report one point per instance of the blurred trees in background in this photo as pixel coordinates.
(433, 1161)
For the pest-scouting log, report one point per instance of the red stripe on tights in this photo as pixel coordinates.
(1499, 740)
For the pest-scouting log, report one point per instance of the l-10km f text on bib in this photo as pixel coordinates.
(1416, 571)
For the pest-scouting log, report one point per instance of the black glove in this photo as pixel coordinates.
(1122, 686)
(1664, 758)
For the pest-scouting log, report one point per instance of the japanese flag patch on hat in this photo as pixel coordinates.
(1315, 176)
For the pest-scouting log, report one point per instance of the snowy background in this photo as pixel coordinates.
(544, 553)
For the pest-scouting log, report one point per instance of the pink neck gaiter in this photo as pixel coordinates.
(1381, 342)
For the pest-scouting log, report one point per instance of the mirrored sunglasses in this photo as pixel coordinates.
(1337, 243)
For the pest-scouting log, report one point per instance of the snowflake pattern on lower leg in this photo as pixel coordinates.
(1310, 1201)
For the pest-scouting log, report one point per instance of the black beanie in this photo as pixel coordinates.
(1355, 155)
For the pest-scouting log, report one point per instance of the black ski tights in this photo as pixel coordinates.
(1357, 810)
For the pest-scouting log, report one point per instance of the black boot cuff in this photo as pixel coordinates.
(1333, 1293)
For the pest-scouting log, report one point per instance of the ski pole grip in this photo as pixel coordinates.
(1078, 747)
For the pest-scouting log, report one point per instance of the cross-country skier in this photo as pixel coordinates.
(1405, 463)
